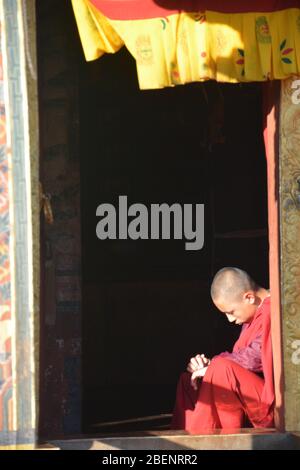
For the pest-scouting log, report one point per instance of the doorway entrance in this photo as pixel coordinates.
(146, 305)
(121, 318)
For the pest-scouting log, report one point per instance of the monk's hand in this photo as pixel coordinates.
(197, 362)
(197, 375)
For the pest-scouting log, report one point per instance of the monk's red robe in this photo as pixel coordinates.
(229, 394)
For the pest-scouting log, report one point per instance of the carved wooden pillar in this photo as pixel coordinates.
(289, 203)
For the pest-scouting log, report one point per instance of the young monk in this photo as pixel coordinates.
(236, 387)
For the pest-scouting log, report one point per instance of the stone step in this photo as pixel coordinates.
(245, 439)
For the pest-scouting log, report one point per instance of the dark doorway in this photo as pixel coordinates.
(146, 303)
(121, 318)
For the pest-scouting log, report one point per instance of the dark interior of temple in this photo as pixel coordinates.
(144, 305)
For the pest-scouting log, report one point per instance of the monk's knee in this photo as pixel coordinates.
(220, 364)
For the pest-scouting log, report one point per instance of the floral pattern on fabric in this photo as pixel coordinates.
(188, 47)
(262, 30)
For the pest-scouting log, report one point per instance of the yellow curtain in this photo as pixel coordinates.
(191, 47)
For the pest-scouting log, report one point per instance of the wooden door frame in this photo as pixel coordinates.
(289, 254)
(21, 157)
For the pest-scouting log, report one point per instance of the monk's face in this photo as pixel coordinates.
(239, 311)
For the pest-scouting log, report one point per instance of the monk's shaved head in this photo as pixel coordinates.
(229, 284)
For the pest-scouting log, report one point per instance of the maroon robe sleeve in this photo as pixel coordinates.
(248, 357)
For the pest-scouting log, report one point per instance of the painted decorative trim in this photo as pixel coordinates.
(23, 385)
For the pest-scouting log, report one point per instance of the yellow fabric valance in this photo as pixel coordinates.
(190, 47)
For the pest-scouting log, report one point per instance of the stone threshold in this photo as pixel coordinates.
(243, 439)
